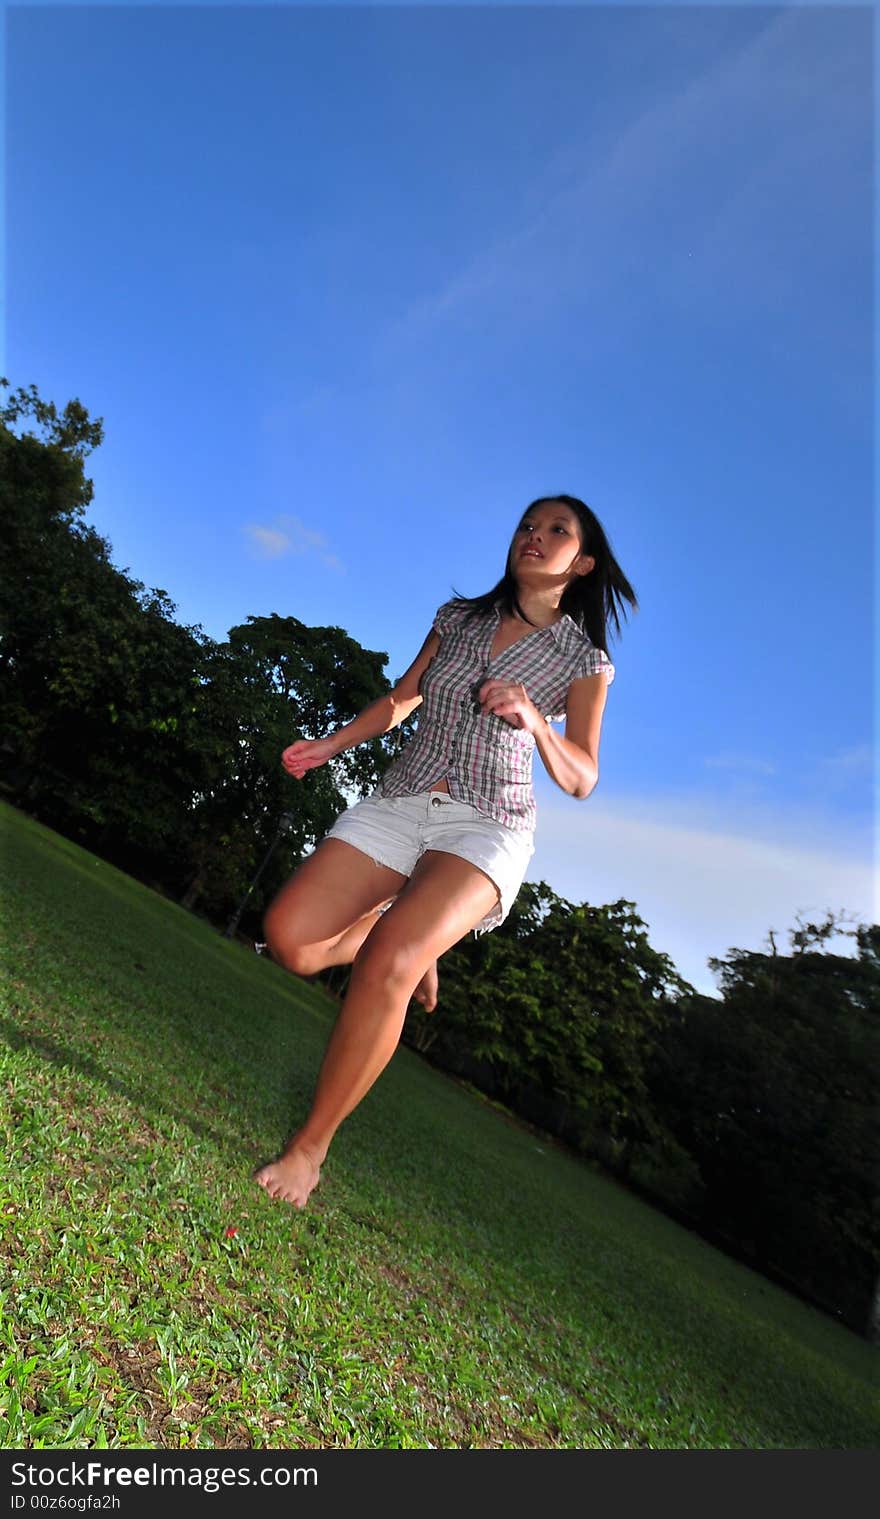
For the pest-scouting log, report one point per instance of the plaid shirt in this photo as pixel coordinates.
(484, 759)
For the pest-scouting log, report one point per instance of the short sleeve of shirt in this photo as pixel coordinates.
(446, 617)
(595, 662)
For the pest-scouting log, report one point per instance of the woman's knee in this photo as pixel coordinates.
(287, 947)
(386, 960)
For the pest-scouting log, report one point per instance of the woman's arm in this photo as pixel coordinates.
(379, 717)
(571, 761)
(389, 710)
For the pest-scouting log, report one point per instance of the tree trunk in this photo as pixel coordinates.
(194, 890)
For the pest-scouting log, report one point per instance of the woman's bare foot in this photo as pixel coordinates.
(292, 1177)
(426, 991)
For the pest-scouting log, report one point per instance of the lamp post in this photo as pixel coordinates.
(285, 823)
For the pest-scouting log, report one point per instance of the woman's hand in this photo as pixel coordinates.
(307, 754)
(512, 702)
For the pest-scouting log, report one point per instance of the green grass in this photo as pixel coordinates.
(455, 1282)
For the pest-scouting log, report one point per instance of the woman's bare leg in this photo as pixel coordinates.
(288, 927)
(334, 896)
(342, 951)
(428, 987)
(350, 942)
(444, 899)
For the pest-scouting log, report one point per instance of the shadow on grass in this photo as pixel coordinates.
(84, 1065)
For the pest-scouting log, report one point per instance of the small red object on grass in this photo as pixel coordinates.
(231, 1231)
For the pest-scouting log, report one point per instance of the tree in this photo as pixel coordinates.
(773, 1094)
(144, 739)
(43, 544)
(96, 677)
(326, 678)
(556, 1012)
(273, 681)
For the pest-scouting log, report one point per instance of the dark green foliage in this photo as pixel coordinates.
(144, 739)
(96, 679)
(755, 1117)
(773, 1092)
(556, 1014)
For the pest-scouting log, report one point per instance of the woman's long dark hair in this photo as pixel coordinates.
(592, 601)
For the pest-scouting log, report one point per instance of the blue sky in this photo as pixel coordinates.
(350, 286)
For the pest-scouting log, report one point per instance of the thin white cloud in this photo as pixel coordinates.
(705, 880)
(288, 535)
(736, 134)
(847, 766)
(267, 541)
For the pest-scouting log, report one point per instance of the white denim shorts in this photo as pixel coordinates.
(397, 830)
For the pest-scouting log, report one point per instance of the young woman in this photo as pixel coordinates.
(448, 834)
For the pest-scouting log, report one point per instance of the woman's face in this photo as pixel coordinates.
(547, 547)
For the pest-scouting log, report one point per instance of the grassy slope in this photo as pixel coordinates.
(454, 1282)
